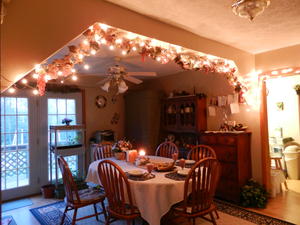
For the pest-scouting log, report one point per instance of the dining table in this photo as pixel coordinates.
(153, 197)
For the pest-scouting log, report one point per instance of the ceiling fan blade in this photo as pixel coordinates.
(133, 80)
(103, 81)
(144, 74)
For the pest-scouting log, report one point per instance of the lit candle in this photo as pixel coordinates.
(142, 152)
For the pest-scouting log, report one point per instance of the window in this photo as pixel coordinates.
(14, 142)
(58, 109)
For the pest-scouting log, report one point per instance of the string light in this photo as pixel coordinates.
(103, 26)
(24, 81)
(74, 77)
(47, 77)
(274, 72)
(86, 66)
(59, 73)
(142, 44)
(35, 92)
(134, 48)
(97, 37)
(85, 42)
(35, 76)
(111, 47)
(287, 70)
(93, 52)
(80, 56)
(62, 82)
(119, 41)
(103, 41)
(124, 52)
(11, 90)
(73, 70)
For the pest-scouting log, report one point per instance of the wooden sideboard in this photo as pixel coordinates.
(234, 155)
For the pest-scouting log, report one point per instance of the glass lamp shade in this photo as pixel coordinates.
(106, 86)
(249, 8)
(122, 87)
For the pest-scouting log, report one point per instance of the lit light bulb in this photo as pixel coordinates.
(37, 67)
(47, 77)
(97, 37)
(134, 48)
(119, 41)
(61, 81)
(35, 76)
(93, 52)
(111, 47)
(86, 66)
(103, 41)
(287, 70)
(35, 92)
(59, 73)
(11, 90)
(274, 72)
(106, 86)
(158, 58)
(74, 77)
(24, 81)
(80, 56)
(142, 44)
(85, 42)
(124, 52)
(73, 70)
(103, 26)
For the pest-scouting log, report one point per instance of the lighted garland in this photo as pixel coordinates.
(101, 34)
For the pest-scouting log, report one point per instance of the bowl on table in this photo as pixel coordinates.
(136, 173)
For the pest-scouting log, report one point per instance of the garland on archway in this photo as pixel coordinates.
(101, 34)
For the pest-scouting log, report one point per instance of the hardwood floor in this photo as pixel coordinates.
(285, 206)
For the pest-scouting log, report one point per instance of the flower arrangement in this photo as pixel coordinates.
(121, 146)
(66, 121)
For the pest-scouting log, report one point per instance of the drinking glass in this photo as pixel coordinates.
(182, 163)
(150, 167)
(175, 156)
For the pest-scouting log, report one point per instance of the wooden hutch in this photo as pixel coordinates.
(185, 118)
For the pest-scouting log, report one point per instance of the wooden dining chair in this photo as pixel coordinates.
(77, 199)
(199, 152)
(118, 193)
(166, 149)
(103, 151)
(199, 190)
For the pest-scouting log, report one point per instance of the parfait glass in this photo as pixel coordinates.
(182, 163)
(150, 167)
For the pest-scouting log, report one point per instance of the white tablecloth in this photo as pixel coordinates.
(153, 197)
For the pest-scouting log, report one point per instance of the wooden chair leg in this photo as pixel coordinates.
(285, 184)
(217, 214)
(95, 209)
(194, 221)
(107, 220)
(212, 218)
(103, 209)
(64, 215)
(74, 216)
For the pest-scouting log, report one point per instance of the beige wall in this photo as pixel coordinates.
(100, 119)
(215, 85)
(33, 30)
(280, 58)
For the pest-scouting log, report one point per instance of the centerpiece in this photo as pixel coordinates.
(120, 147)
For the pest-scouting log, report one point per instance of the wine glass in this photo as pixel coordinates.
(150, 167)
(175, 156)
(182, 163)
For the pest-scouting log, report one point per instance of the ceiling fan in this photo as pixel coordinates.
(117, 74)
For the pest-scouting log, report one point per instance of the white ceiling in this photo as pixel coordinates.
(277, 27)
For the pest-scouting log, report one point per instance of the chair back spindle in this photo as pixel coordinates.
(103, 151)
(200, 185)
(116, 187)
(70, 187)
(199, 152)
(166, 149)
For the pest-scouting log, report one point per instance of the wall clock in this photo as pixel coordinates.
(100, 101)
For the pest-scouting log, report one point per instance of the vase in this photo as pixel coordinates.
(119, 155)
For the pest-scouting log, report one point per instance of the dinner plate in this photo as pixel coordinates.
(183, 172)
(136, 173)
(189, 161)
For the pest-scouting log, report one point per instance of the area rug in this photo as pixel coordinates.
(245, 214)
(16, 204)
(8, 220)
(51, 214)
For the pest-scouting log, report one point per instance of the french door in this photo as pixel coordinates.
(25, 120)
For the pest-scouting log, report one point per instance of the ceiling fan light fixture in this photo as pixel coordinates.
(106, 86)
(122, 87)
(249, 8)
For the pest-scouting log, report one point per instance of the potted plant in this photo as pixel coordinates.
(254, 195)
(297, 89)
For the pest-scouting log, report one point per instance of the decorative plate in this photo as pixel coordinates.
(100, 101)
(136, 173)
